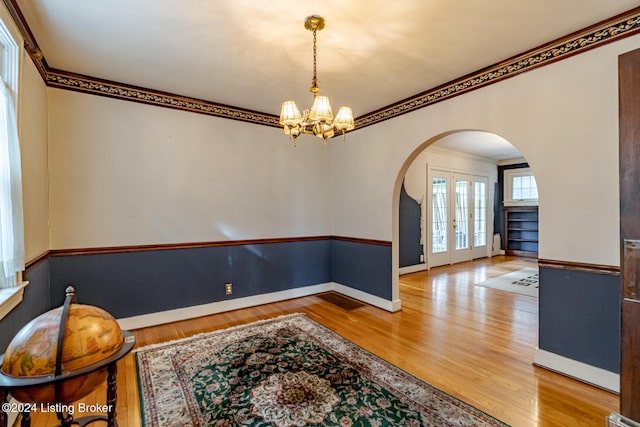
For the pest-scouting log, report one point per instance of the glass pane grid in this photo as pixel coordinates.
(462, 215)
(480, 214)
(439, 234)
(524, 187)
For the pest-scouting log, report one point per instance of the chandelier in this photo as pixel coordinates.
(318, 121)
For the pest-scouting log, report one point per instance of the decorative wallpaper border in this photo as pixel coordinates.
(612, 29)
(87, 84)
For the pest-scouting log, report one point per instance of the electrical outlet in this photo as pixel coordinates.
(228, 288)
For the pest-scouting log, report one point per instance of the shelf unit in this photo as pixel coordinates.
(521, 231)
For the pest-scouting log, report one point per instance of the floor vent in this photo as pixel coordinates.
(341, 301)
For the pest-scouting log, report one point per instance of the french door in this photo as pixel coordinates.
(457, 217)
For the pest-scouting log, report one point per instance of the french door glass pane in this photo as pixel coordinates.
(480, 214)
(439, 221)
(462, 215)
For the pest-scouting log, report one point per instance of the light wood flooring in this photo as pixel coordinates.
(472, 342)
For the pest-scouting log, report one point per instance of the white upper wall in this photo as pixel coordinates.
(562, 117)
(33, 151)
(32, 133)
(124, 173)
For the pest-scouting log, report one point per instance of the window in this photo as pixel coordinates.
(11, 219)
(520, 188)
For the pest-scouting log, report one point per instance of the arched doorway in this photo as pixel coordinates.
(469, 159)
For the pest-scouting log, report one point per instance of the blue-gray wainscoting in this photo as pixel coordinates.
(410, 214)
(363, 266)
(135, 281)
(579, 316)
(36, 300)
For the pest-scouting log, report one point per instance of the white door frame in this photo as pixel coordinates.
(451, 255)
(461, 221)
(480, 250)
(442, 254)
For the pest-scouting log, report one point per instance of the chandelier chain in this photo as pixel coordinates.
(314, 81)
(319, 120)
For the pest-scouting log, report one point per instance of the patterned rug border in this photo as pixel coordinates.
(216, 331)
(396, 370)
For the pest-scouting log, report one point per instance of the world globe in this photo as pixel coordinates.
(90, 335)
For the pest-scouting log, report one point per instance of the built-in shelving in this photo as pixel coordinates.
(521, 231)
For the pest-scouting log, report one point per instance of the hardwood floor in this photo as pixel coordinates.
(472, 342)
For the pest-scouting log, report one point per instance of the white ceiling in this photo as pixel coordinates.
(254, 54)
(481, 144)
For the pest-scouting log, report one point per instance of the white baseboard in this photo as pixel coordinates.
(578, 370)
(168, 316)
(385, 304)
(413, 268)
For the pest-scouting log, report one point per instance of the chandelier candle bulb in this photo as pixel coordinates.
(318, 121)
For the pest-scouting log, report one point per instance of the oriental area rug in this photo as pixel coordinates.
(286, 371)
(524, 281)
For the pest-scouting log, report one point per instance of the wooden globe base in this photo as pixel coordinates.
(12, 383)
(63, 386)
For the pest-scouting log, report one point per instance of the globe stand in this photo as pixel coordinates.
(8, 383)
(67, 420)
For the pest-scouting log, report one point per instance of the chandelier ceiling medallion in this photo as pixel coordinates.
(318, 121)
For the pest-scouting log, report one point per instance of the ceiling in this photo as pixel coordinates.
(254, 54)
(481, 144)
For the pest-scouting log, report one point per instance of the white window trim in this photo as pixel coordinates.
(13, 68)
(11, 297)
(509, 174)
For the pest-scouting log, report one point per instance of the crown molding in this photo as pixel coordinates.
(450, 152)
(610, 30)
(620, 26)
(87, 84)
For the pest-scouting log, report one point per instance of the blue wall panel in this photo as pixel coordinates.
(135, 283)
(410, 215)
(579, 316)
(362, 266)
(35, 302)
